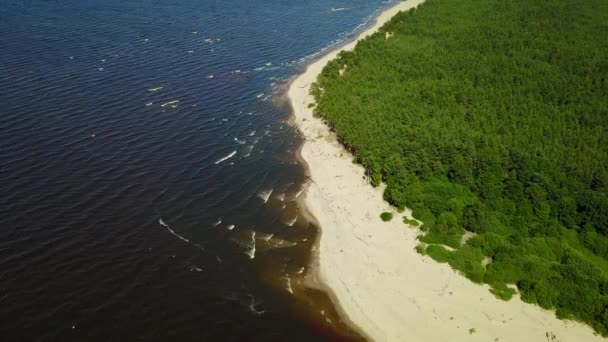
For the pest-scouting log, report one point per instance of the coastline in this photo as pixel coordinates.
(380, 285)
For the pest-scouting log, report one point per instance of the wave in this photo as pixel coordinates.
(155, 89)
(338, 9)
(265, 194)
(195, 269)
(265, 237)
(292, 221)
(162, 223)
(298, 193)
(253, 309)
(278, 243)
(288, 284)
(170, 103)
(230, 155)
(248, 149)
(251, 303)
(251, 252)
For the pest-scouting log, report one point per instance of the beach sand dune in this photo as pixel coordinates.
(378, 281)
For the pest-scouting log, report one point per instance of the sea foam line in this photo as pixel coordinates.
(251, 252)
(162, 223)
(230, 155)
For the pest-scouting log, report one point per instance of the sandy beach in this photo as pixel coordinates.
(377, 279)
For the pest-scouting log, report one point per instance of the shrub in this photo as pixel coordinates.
(411, 222)
(386, 216)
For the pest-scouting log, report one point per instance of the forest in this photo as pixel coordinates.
(489, 119)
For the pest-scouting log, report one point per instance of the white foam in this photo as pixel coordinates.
(195, 269)
(240, 142)
(292, 221)
(155, 89)
(268, 64)
(252, 133)
(280, 197)
(149, 104)
(251, 252)
(210, 76)
(338, 9)
(162, 223)
(265, 237)
(248, 150)
(280, 243)
(216, 223)
(299, 193)
(230, 227)
(100, 69)
(301, 270)
(190, 51)
(253, 309)
(288, 284)
(265, 194)
(194, 32)
(230, 155)
(170, 103)
(260, 95)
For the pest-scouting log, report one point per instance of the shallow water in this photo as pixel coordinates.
(149, 171)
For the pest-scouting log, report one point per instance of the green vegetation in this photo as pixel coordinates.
(490, 116)
(386, 216)
(412, 223)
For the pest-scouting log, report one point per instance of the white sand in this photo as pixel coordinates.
(378, 280)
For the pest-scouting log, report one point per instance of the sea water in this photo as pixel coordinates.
(148, 168)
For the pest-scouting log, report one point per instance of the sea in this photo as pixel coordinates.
(149, 171)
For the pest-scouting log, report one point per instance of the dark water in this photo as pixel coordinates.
(122, 217)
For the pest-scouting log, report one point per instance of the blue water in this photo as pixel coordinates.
(149, 169)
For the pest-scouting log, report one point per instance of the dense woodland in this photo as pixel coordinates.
(490, 116)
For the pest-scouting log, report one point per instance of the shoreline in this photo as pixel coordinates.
(379, 284)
